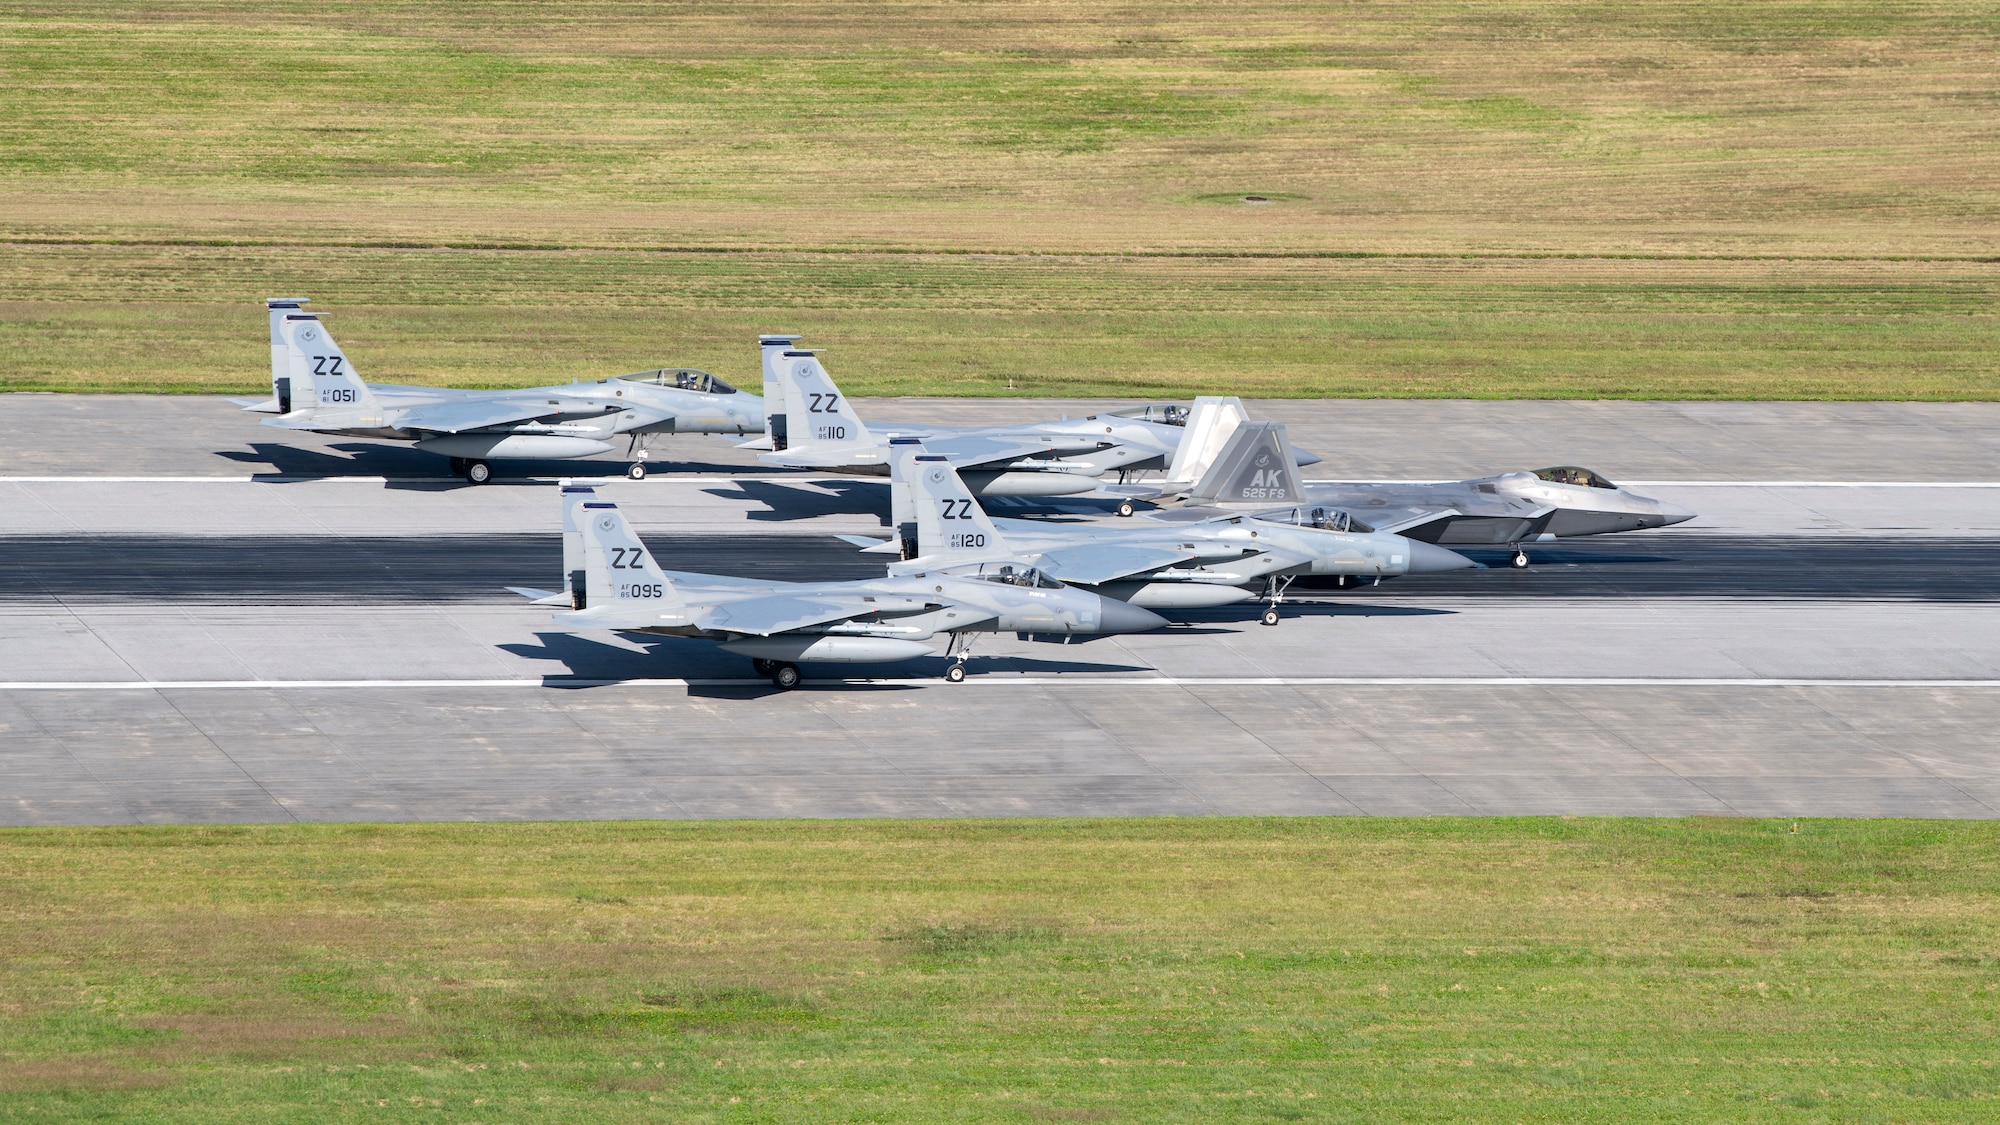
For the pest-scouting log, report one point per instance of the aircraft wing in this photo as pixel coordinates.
(1402, 520)
(966, 451)
(1452, 526)
(481, 413)
(1092, 563)
(788, 613)
(971, 451)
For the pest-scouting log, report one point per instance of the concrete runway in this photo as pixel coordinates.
(261, 642)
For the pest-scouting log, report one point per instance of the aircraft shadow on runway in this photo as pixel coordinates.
(1246, 614)
(690, 659)
(826, 498)
(406, 467)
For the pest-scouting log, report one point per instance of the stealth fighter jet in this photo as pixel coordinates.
(314, 387)
(1221, 560)
(780, 624)
(812, 425)
(1254, 470)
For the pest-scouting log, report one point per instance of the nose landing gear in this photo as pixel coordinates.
(1274, 593)
(1520, 559)
(637, 451)
(958, 652)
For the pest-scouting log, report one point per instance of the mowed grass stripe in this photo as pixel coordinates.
(180, 319)
(1137, 970)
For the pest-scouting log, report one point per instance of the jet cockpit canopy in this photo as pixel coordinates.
(1165, 413)
(1572, 474)
(684, 378)
(1325, 519)
(1014, 575)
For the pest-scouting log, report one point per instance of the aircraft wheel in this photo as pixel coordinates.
(637, 471)
(1125, 509)
(762, 666)
(785, 676)
(1270, 616)
(478, 472)
(1520, 560)
(955, 674)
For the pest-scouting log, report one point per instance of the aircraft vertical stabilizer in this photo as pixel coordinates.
(1254, 467)
(816, 413)
(322, 377)
(617, 566)
(777, 411)
(950, 523)
(1210, 423)
(575, 587)
(281, 356)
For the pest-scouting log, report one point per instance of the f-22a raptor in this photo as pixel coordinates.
(314, 387)
(1224, 559)
(1254, 470)
(614, 583)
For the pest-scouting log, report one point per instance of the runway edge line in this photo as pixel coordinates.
(1003, 680)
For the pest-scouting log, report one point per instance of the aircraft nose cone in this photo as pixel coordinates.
(1429, 558)
(1115, 616)
(1671, 514)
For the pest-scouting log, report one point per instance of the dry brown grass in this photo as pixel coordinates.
(985, 172)
(1761, 127)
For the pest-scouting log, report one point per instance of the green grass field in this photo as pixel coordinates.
(1762, 176)
(1160, 970)
(191, 319)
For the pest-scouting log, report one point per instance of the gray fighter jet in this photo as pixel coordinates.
(314, 387)
(1221, 560)
(812, 425)
(1254, 470)
(779, 624)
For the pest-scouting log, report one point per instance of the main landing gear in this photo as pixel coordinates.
(474, 471)
(784, 674)
(1125, 508)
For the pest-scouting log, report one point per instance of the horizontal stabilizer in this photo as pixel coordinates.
(259, 405)
(872, 546)
(540, 597)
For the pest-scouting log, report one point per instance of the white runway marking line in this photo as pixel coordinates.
(276, 478)
(1738, 483)
(710, 478)
(1003, 680)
